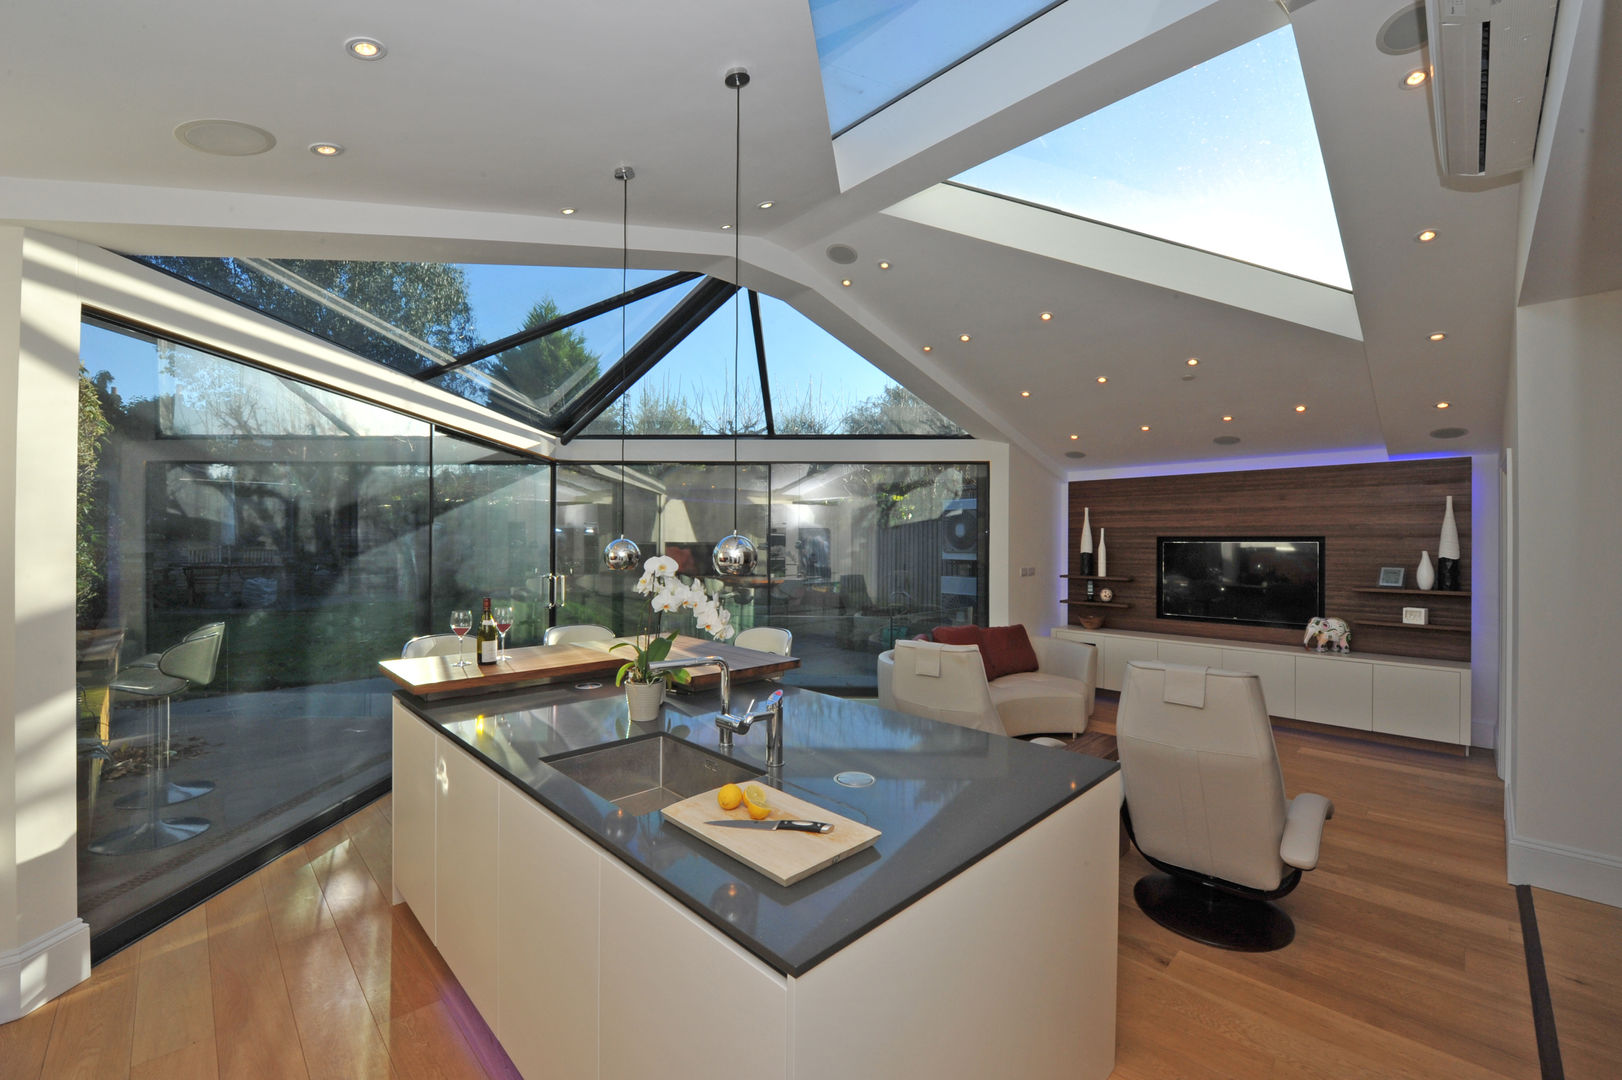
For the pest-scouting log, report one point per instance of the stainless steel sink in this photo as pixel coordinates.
(650, 772)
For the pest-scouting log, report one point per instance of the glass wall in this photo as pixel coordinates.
(249, 547)
(853, 555)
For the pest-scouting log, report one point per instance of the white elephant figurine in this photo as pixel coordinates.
(1322, 633)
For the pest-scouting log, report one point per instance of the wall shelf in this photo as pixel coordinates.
(1095, 603)
(1410, 626)
(1371, 590)
(1093, 577)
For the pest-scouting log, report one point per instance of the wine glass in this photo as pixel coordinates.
(461, 623)
(504, 623)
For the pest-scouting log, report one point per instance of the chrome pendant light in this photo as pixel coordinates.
(623, 554)
(735, 555)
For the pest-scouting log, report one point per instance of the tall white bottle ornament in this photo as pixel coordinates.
(1448, 546)
(1102, 566)
(1425, 576)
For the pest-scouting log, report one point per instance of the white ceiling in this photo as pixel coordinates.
(487, 117)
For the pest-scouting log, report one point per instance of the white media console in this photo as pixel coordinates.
(1395, 695)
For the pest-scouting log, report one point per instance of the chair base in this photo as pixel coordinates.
(168, 795)
(1213, 917)
(149, 836)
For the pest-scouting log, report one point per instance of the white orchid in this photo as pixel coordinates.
(666, 591)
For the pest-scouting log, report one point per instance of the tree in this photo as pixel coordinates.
(90, 551)
(427, 301)
(895, 410)
(550, 369)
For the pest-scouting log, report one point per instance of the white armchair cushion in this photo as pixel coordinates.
(1071, 660)
(1035, 702)
(1304, 829)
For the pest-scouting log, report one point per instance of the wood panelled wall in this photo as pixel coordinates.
(1370, 516)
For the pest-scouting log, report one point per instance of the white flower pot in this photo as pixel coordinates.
(643, 699)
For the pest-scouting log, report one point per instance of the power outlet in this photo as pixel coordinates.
(1027, 571)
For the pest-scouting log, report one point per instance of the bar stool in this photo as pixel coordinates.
(189, 663)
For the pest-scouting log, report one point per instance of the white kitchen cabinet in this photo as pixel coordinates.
(465, 872)
(547, 900)
(1276, 671)
(1422, 703)
(413, 813)
(1121, 651)
(1332, 690)
(1177, 652)
(696, 1005)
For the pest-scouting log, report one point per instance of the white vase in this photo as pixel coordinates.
(643, 699)
(1103, 567)
(1425, 576)
(1448, 546)
(1086, 531)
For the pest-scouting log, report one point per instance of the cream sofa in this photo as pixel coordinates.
(948, 682)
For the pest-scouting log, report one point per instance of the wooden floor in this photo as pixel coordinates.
(1407, 962)
(301, 970)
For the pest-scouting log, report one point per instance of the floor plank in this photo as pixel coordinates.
(174, 1007)
(340, 1037)
(1582, 952)
(258, 1037)
(95, 1024)
(23, 1043)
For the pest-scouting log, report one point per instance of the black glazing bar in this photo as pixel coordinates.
(760, 358)
(705, 300)
(1537, 979)
(562, 322)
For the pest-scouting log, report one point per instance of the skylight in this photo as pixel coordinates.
(873, 52)
(1222, 157)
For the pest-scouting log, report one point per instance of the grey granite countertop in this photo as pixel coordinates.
(944, 797)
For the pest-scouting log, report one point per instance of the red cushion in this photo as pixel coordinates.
(1007, 650)
(958, 635)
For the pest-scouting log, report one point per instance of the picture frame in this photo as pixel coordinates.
(1391, 577)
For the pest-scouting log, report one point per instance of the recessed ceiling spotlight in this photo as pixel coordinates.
(724, 228)
(1227, 419)
(884, 265)
(929, 348)
(963, 338)
(365, 48)
(1073, 438)
(1046, 316)
(326, 149)
(845, 282)
(1425, 236)
(1193, 361)
(566, 211)
(1024, 393)
(1300, 408)
(1102, 380)
(1444, 404)
(1438, 336)
(227, 138)
(1143, 427)
(1415, 78)
(766, 204)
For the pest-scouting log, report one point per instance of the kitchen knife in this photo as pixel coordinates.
(791, 826)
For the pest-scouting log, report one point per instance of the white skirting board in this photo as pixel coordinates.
(50, 965)
(1590, 875)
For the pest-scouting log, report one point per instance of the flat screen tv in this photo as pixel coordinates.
(1254, 581)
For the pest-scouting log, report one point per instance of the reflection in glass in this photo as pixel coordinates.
(1222, 157)
(295, 517)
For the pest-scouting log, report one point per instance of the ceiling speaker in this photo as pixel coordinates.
(1075, 453)
(1450, 433)
(227, 138)
(843, 254)
(1225, 440)
(1404, 32)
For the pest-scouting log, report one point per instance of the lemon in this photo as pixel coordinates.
(729, 796)
(754, 800)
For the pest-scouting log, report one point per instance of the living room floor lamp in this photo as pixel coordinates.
(735, 555)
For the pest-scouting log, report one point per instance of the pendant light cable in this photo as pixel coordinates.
(737, 84)
(623, 554)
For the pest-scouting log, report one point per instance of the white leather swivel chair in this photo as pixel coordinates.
(940, 682)
(576, 633)
(1205, 804)
(431, 645)
(772, 639)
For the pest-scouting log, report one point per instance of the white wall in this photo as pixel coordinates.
(1035, 527)
(1565, 827)
(44, 947)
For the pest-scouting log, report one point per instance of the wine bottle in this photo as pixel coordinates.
(487, 635)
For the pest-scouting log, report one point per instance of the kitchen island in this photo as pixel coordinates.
(975, 938)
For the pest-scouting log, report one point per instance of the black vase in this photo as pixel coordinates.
(1447, 574)
(1086, 564)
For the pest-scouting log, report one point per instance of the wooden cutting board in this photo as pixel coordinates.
(783, 856)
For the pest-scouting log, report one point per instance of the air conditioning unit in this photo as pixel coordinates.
(1489, 61)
